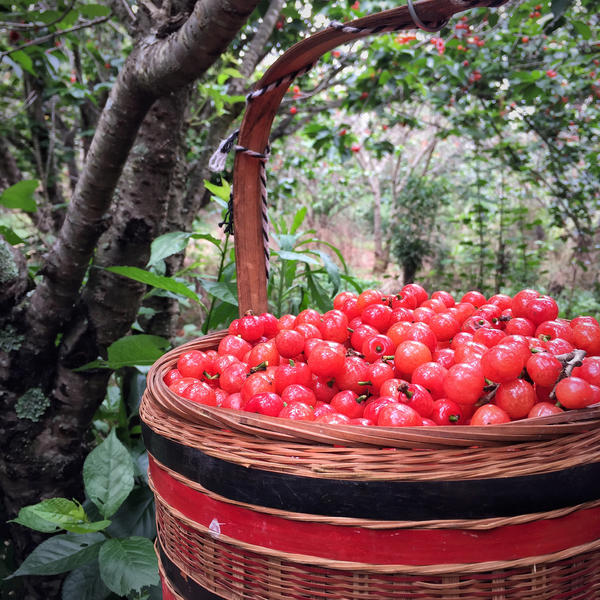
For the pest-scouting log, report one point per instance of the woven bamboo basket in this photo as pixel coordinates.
(250, 507)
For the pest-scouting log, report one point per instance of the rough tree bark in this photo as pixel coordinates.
(66, 319)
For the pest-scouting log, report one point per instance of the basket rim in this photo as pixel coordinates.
(525, 430)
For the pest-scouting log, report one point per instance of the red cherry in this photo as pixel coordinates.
(540, 309)
(447, 412)
(516, 397)
(431, 376)
(501, 364)
(377, 346)
(521, 300)
(200, 392)
(265, 403)
(543, 368)
(171, 376)
(464, 383)
(398, 415)
(355, 148)
(293, 110)
(297, 411)
(192, 364)
(489, 414)
(475, 298)
(589, 370)
(574, 392)
(251, 328)
(543, 409)
(326, 359)
(416, 289)
(409, 355)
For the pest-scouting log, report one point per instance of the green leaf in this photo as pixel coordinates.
(10, 236)
(139, 349)
(108, 475)
(221, 290)
(85, 583)
(332, 270)
(158, 281)
(61, 553)
(559, 7)
(128, 565)
(319, 295)
(131, 351)
(92, 11)
(174, 242)
(298, 219)
(135, 516)
(583, 29)
(20, 195)
(298, 256)
(58, 513)
(24, 60)
(222, 191)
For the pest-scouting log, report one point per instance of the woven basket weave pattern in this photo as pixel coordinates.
(197, 561)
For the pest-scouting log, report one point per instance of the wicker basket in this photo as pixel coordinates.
(252, 507)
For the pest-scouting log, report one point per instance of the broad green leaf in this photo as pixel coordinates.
(128, 565)
(158, 281)
(135, 516)
(174, 242)
(61, 553)
(131, 351)
(583, 29)
(58, 513)
(221, 290)
(108, 475)
(298, 219)
(298, 256)
(10, 236)
(91, 11)
(136, 350)
(222, 191)
(85, 583)
(559, 7)
(24, 60)
(20, 195)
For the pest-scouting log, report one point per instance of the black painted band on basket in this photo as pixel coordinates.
(380, 500)
(184, 586)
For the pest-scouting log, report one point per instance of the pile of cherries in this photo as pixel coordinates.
(404, 359)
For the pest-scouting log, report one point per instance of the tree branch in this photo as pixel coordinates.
(54, 35)
(170, 63)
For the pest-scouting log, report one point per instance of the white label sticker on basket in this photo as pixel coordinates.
(215, 528)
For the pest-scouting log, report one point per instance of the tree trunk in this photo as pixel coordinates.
(75, 312)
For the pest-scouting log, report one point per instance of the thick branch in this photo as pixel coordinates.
(169, 63)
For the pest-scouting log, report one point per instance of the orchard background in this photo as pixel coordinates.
(466, 159)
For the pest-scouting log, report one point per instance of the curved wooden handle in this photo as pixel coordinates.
(262, 106)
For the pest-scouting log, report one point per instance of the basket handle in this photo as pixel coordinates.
(249, 186)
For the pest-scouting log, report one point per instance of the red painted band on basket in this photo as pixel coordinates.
(377, 546)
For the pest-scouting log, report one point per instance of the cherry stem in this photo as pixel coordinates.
(365, 383)
(209, 376)
(570, 360)
(260, 367)
(491, 392)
